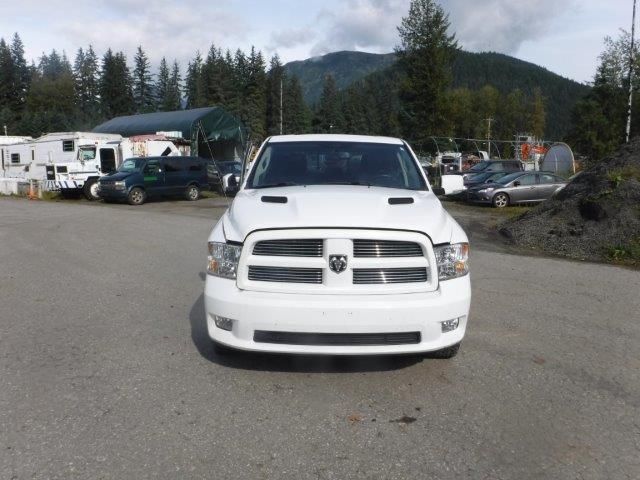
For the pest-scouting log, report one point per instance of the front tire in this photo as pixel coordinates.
(137, 196)
(500, 200)
(90, 190)
(192, 193)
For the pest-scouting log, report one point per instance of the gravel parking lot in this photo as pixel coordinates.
(107, 372)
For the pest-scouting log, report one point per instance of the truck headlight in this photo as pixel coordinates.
(119, 185)
(452, 260)
(223, 260)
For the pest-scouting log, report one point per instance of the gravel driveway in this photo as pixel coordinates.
(106, 370)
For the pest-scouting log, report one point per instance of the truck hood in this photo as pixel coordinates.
(337, 206)
(117, 176)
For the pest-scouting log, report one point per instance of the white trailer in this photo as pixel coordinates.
(73, 161)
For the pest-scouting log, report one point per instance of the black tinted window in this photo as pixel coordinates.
(174, 164)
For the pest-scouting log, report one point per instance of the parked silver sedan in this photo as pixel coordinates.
(519, 187)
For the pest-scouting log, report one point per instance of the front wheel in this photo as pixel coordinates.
(500, 200)
(136, 196)
(90, 190)
(192, 193)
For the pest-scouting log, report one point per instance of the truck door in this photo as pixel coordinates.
(107, 161)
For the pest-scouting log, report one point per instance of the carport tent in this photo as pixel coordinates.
(211, 130)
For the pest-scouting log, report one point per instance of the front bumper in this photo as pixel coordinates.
(477, 197)
(112, 194)
(253, 311)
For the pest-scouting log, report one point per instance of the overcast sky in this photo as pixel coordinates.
(565, 36)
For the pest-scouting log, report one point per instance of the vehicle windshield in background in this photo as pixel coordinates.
(230, 167)
(336, 163)
(131, 165)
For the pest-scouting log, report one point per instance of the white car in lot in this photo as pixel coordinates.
(336, 244)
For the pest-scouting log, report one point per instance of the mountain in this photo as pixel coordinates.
(471, 70)
(345, 67)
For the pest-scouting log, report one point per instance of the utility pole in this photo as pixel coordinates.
(489, 120)
(631, 60)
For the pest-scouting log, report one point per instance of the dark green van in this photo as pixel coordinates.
(146, 177)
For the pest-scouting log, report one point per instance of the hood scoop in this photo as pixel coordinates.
(272, 199)
(400, 200)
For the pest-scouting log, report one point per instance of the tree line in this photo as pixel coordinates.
(413, 98)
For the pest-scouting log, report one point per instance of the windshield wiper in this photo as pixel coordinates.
(274, 185)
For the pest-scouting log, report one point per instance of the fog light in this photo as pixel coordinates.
(450, 325)
(223, 323)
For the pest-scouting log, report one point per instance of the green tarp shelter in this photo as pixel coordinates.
(212, 131)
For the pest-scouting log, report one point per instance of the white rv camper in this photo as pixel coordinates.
(74, 161)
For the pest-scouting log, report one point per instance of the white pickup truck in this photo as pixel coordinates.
(336, 244)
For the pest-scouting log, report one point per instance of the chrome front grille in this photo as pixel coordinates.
(385, 248)
(311, 247)
(300, 261)
(285, 274)
(374, 276)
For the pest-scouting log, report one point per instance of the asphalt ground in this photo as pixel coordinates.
(106, 371)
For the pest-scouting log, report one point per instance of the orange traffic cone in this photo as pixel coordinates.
(32, 191)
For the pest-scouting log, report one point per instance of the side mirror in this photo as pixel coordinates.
(438, 190)
(233, 183)
(516, 183)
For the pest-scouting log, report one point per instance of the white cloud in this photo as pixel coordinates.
(503, 25)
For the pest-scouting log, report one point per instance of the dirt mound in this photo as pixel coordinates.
(595, 217)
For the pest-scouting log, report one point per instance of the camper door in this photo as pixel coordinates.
(107, 160)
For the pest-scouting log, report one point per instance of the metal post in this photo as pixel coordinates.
(631, 61)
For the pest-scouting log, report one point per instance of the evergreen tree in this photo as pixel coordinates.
(174, 92)
(85, 74)
(329, 117)
(116, 95)
(193, 89)
(599, 119)
(425, 56)
(162, 86)
(255, 98)
(142, 83)
(7, 78)
(50, 101)
(295, 115)
(20, 72)
(275, 96)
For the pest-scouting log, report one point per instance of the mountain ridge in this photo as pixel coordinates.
(469, 69)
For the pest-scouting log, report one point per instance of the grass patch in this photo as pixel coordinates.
(627, 254)
(513, 211)
(618, 175)
(50, 196)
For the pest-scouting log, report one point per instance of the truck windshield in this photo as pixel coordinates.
(336, 163)
(132, 165)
